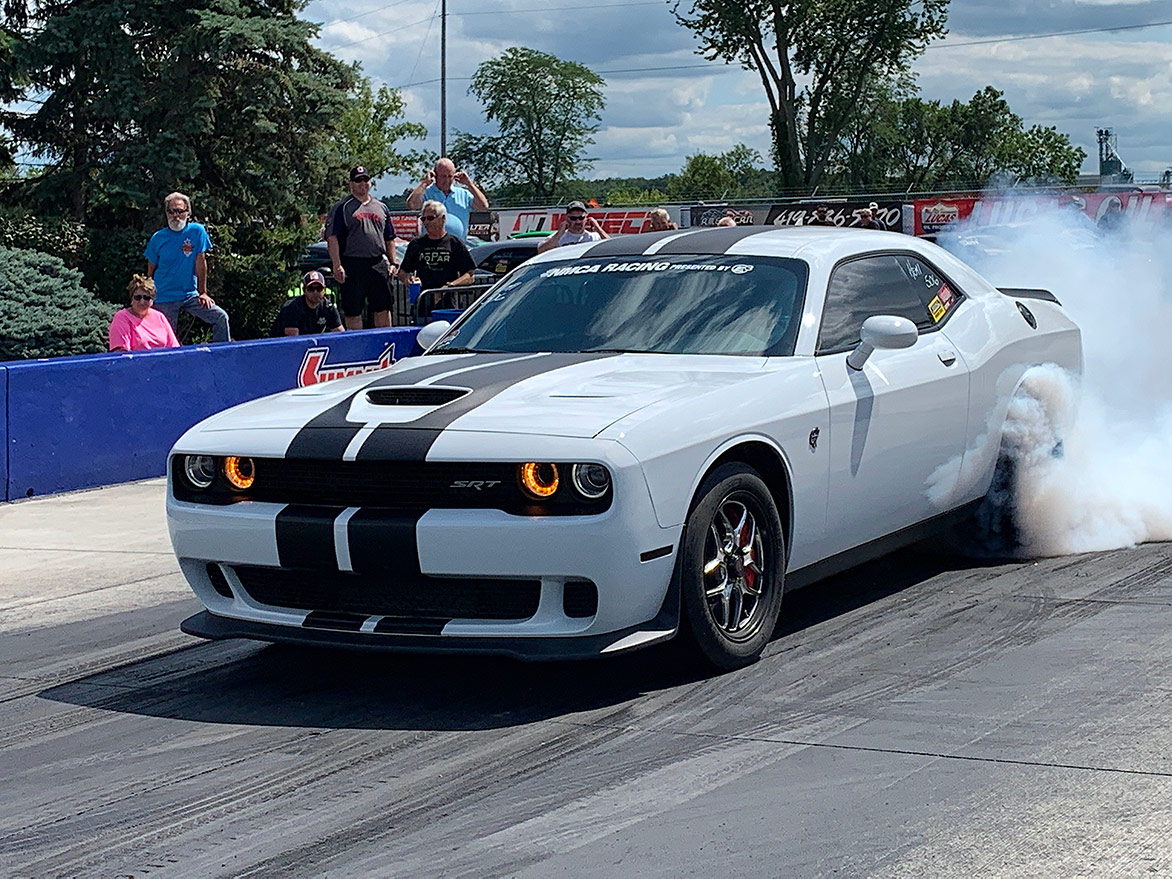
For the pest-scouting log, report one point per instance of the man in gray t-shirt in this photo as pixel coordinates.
(361, 241)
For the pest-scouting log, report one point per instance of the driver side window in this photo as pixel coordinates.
(888, 284)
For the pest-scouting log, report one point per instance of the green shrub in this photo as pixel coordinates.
(45, 311)
(58, 236)
(111, 257)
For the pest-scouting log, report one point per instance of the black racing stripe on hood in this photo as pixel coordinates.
(305, 537)
(328, 434)
(412, 441)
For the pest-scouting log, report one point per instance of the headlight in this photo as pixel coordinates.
(200, 470)
(538, 480)
(239, 472)
(591, 480)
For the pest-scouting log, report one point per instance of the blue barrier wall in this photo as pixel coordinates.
(3, 434)
(77, 422)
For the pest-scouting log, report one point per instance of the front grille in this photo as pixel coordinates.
(410, 597)
(414, 396)
(395, 484)
(413, 485)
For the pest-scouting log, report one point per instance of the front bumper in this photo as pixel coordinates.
(623, 554)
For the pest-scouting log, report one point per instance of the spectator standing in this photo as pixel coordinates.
(821, 217)
(574, 230)
(659, 220)
(310, 313)
(139, 327)
(455, 191)
(873, 207)
(1113, 220)
(437, 258)
(361, 242)
(868, 221)
(176, 258)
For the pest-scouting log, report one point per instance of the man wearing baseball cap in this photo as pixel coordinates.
(310, 313)
(361, 241)
(577, 228)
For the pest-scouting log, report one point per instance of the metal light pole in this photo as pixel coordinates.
(444, 77)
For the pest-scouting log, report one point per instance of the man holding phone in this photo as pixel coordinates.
(577, 228)
(455, 191)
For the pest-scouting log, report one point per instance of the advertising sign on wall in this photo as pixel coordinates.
(931, 216)
(843, 213)
(614, 221)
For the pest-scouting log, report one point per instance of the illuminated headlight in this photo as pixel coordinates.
(239, 472)
(591, 480)
(200, 470)
(539, 481)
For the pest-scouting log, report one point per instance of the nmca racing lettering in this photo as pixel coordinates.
(314, 371)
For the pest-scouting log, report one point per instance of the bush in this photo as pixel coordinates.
(55, 235)
(111, 257)
(45, 311)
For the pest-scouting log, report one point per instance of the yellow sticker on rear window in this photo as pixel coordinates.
(936, 309)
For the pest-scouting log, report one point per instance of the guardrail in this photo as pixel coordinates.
(78, 422)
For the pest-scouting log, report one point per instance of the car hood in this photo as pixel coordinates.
(575, 395)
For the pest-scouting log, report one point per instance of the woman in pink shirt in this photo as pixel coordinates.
(139, 326)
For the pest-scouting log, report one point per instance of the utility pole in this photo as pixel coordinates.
(443, 77)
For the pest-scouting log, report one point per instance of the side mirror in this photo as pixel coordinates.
(882, 331)
(430, 333)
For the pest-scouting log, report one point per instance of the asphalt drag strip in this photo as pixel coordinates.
(925, 715)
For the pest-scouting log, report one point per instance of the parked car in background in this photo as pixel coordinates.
(497, 258)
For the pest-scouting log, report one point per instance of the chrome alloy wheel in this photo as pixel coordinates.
(734, 569)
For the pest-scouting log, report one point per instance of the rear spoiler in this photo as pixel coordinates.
(1029, 293)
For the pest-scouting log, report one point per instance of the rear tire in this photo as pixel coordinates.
(733, 568)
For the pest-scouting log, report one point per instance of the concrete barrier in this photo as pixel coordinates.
(78, 422)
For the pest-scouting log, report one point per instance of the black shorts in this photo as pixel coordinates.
(367, 280)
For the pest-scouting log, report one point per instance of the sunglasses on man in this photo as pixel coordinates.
(317, 287)
(576, 218)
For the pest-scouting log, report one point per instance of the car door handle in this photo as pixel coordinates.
(947, 357)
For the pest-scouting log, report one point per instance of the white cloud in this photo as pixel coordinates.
(654, 119)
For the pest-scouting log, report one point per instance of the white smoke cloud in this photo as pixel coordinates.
(1109, 482)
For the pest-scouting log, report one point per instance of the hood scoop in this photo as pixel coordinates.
(414, 396)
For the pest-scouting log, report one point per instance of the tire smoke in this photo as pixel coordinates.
(1090, 461)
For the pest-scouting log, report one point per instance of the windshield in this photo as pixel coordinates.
(746, 305)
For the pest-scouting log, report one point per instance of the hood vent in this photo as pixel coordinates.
(414, 396)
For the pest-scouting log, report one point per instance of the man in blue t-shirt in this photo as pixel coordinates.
(176, 260)
(455, 191)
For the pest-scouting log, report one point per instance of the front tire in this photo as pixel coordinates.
(733, 567)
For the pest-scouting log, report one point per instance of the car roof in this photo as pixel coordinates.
(803, 242)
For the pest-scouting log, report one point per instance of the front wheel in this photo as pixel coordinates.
(732, 570)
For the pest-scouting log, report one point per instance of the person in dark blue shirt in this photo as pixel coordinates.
(309, 314)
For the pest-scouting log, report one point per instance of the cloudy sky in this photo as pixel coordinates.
(1074, 64)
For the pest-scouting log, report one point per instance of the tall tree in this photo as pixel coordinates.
(545, 109)
(371, 130)
(225, 100)
(835, 47)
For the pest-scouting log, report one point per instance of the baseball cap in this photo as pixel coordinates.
(358, 173)
(874, 206)
(314, 277)
(575, 206)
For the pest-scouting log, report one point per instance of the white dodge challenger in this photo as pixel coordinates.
(647, 437)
